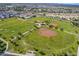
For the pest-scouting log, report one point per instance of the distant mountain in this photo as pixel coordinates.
(71, 4)
(42, 5)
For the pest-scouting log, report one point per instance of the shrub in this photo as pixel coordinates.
(42, 53)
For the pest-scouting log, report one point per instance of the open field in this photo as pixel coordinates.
(23, 36)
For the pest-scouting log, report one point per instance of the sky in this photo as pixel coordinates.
(39, 1)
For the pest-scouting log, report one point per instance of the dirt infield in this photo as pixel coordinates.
(46, 32)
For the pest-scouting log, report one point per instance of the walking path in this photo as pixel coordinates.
(70, 33)
(25, 32)
(10, 53)
(28, 31)
(7, 53)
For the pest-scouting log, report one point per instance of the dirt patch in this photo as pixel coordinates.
(46, 32)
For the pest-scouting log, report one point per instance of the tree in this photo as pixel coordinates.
(56, 27)
(4, 37)
(1, 42)
(61, 29)
(35, 49)
(22, 17)
(76, 32)
(36, 27)
(2, 47)
(18, 37)
(78, 42)
(65, 54)
(19, 33)
(47, 22)
(16, 44)
(51, 26)
(53, 54)
(34, 16)
(42, 53)
(12, 37)
(0, 34)
(75, 22)
(44, 14)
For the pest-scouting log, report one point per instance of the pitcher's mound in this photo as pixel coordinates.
(46, 32)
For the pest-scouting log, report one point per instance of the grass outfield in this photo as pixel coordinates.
(62, 44)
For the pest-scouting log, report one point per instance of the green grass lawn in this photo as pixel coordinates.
(49, 45)
(68, 26)
(59, 45)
